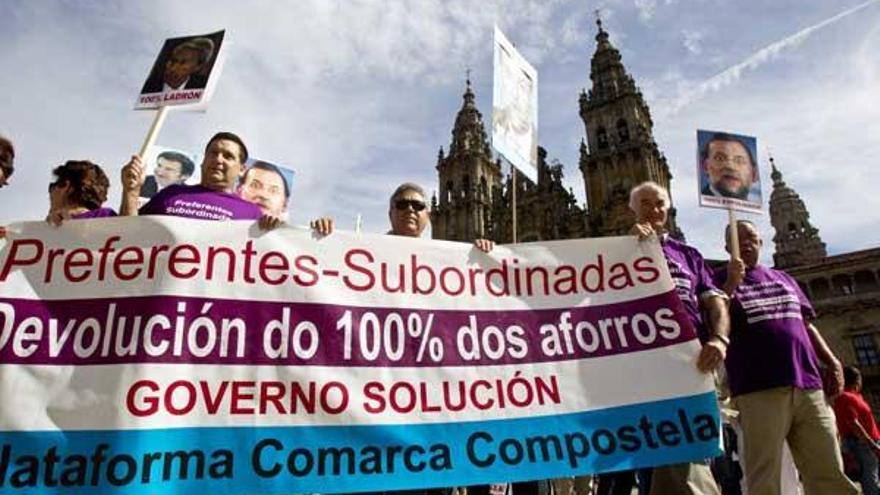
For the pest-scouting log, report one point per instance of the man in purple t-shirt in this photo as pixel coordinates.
(773, 373)
(212, 199)
(693, 284)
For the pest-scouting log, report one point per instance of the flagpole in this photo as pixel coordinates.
(513, 173)
(734, 233)
(158, 120)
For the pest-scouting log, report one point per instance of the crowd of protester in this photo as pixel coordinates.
(779, 375)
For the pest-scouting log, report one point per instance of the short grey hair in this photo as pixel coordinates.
(647, 186)
(204, 47)
(406, 186)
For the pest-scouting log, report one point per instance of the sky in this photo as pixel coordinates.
(358, 96)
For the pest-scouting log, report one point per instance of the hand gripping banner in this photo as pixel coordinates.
(147, 355)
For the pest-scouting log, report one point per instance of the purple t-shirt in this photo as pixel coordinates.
(200, 202)
(769, 343)
(691, 278)
(96, 213)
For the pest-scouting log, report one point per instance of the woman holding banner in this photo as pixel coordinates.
(78, 191)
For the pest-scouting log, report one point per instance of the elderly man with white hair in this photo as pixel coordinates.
(698, 293)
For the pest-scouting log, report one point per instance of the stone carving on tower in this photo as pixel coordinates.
(470, 179)
(797, 241)
(620, 151)
(545, 211)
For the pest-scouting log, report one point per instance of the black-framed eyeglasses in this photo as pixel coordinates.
(404, 204)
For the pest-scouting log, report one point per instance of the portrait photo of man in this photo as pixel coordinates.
(172, 167)
(183, 63)
(268, 186)
(728, 170)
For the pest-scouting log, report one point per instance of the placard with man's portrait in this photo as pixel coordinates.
(727, 167)
(184, 73)
(267, 185)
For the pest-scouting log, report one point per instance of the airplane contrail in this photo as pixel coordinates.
(753, 61)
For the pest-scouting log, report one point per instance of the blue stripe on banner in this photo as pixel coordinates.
(328, 459)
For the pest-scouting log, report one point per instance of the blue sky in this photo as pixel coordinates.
(357, 96)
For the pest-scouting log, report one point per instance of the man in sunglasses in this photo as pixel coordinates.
(408, 213)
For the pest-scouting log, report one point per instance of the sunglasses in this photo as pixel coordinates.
(404, 204)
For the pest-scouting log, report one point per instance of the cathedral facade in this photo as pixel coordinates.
(618, 153)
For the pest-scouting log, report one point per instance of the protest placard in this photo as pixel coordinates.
(185, 72)
(727, 167)
(515, 107)
(268, 185)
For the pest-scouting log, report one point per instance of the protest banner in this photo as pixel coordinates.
(175, 355)
(515, 107)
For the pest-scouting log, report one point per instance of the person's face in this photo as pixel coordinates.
(729, 168)
(749, 244)
(6, 157)
(222, 165)
(409, 214)
(266, 189)
(652, 209)
(168, 172)
(181, 65)
(58, 193)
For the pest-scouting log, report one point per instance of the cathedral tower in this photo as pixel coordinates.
(620, 151)
(469, 179)
(797, 241)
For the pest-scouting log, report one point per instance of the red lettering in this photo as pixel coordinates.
(298, 262)
(239, 395)
(212, 402)
(122, 260)
(177, 256)
(151, 403)
(349, 262)
(70, 263)
(645, 266)
(280, 266)
(13, 259)
(190, 397)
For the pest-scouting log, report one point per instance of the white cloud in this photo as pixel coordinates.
(646, 8)
(760, 57)
(693, 41)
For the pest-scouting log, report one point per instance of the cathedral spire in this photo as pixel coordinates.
(469, 134)
(797, 241)
(620, 151)
(470, 179)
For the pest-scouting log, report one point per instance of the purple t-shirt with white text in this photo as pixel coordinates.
(691, 278)
(96, 213)
(200, 202)
(769, 343)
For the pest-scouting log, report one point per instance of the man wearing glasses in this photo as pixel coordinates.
(729, 166)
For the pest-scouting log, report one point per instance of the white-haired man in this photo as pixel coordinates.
(693, 282)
